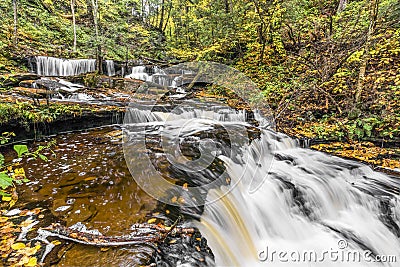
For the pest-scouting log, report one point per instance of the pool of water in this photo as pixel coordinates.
(88, 181)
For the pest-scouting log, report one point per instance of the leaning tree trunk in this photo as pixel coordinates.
(374, 6)
(73, 22)
(15, 11)
(161, 23)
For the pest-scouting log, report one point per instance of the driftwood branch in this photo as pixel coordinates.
(141, 234)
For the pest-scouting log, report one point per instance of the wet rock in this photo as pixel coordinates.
(15, 80)
(48, 84)
(190, 250)
(31, 92)
(27, 83)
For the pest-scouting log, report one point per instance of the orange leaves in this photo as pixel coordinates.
(12, 251)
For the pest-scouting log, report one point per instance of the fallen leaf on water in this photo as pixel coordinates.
(56, 242)
(17, 246)
(5, 198)
(26, 223)
(185, 186)
(90, 178)
(152, 220)
(32, 262)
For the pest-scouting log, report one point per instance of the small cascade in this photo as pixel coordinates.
(173, 77)
(51, 66)
(110, 68)
(188, 112)
(139, 73)
(151, 74)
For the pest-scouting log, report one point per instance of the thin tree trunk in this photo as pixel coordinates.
(73, 22)
(374, 8)
(342, 6)
(168, 16)
(142, 10)
(160, 25)
(15, 10)
(96, 29)
(227, 9)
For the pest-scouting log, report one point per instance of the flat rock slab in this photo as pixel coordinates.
(15, 80)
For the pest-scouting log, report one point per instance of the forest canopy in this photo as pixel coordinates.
(334, 64)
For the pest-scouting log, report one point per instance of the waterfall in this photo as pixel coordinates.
(306, 202)
(139, 73)
(287, 205)
(110, 67)
(187, 112)
(50, 66)
(152, 74)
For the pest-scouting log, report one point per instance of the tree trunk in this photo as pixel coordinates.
(227, 8)
(73, 22)
(15, 10)
(168, 16)
(95, 10)
(142, 10)
(342, 6)
(160, 25)
(374, 8)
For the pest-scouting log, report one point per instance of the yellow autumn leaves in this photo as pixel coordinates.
(23, 255)
(14, 252)
(364, 151)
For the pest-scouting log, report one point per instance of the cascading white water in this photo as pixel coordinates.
(288, 206)
(221, 114)
(50, 66)
(110, 68)
(139, 73)
(155, 75)
(309, 202)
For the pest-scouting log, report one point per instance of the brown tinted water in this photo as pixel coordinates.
(88, 181)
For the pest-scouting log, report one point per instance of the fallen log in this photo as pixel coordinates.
(141, 234)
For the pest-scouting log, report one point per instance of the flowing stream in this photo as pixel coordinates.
(283, 198)
(275, 204)
(309, 202)
(288, 206)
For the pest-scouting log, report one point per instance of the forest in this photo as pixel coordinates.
(341, 58)
(329, 71)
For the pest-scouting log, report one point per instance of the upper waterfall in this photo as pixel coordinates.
(51, 66)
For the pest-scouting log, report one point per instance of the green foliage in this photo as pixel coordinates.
(45, 28)
(21, 150)
(11, 173)
(305, 56)
(25, 113)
